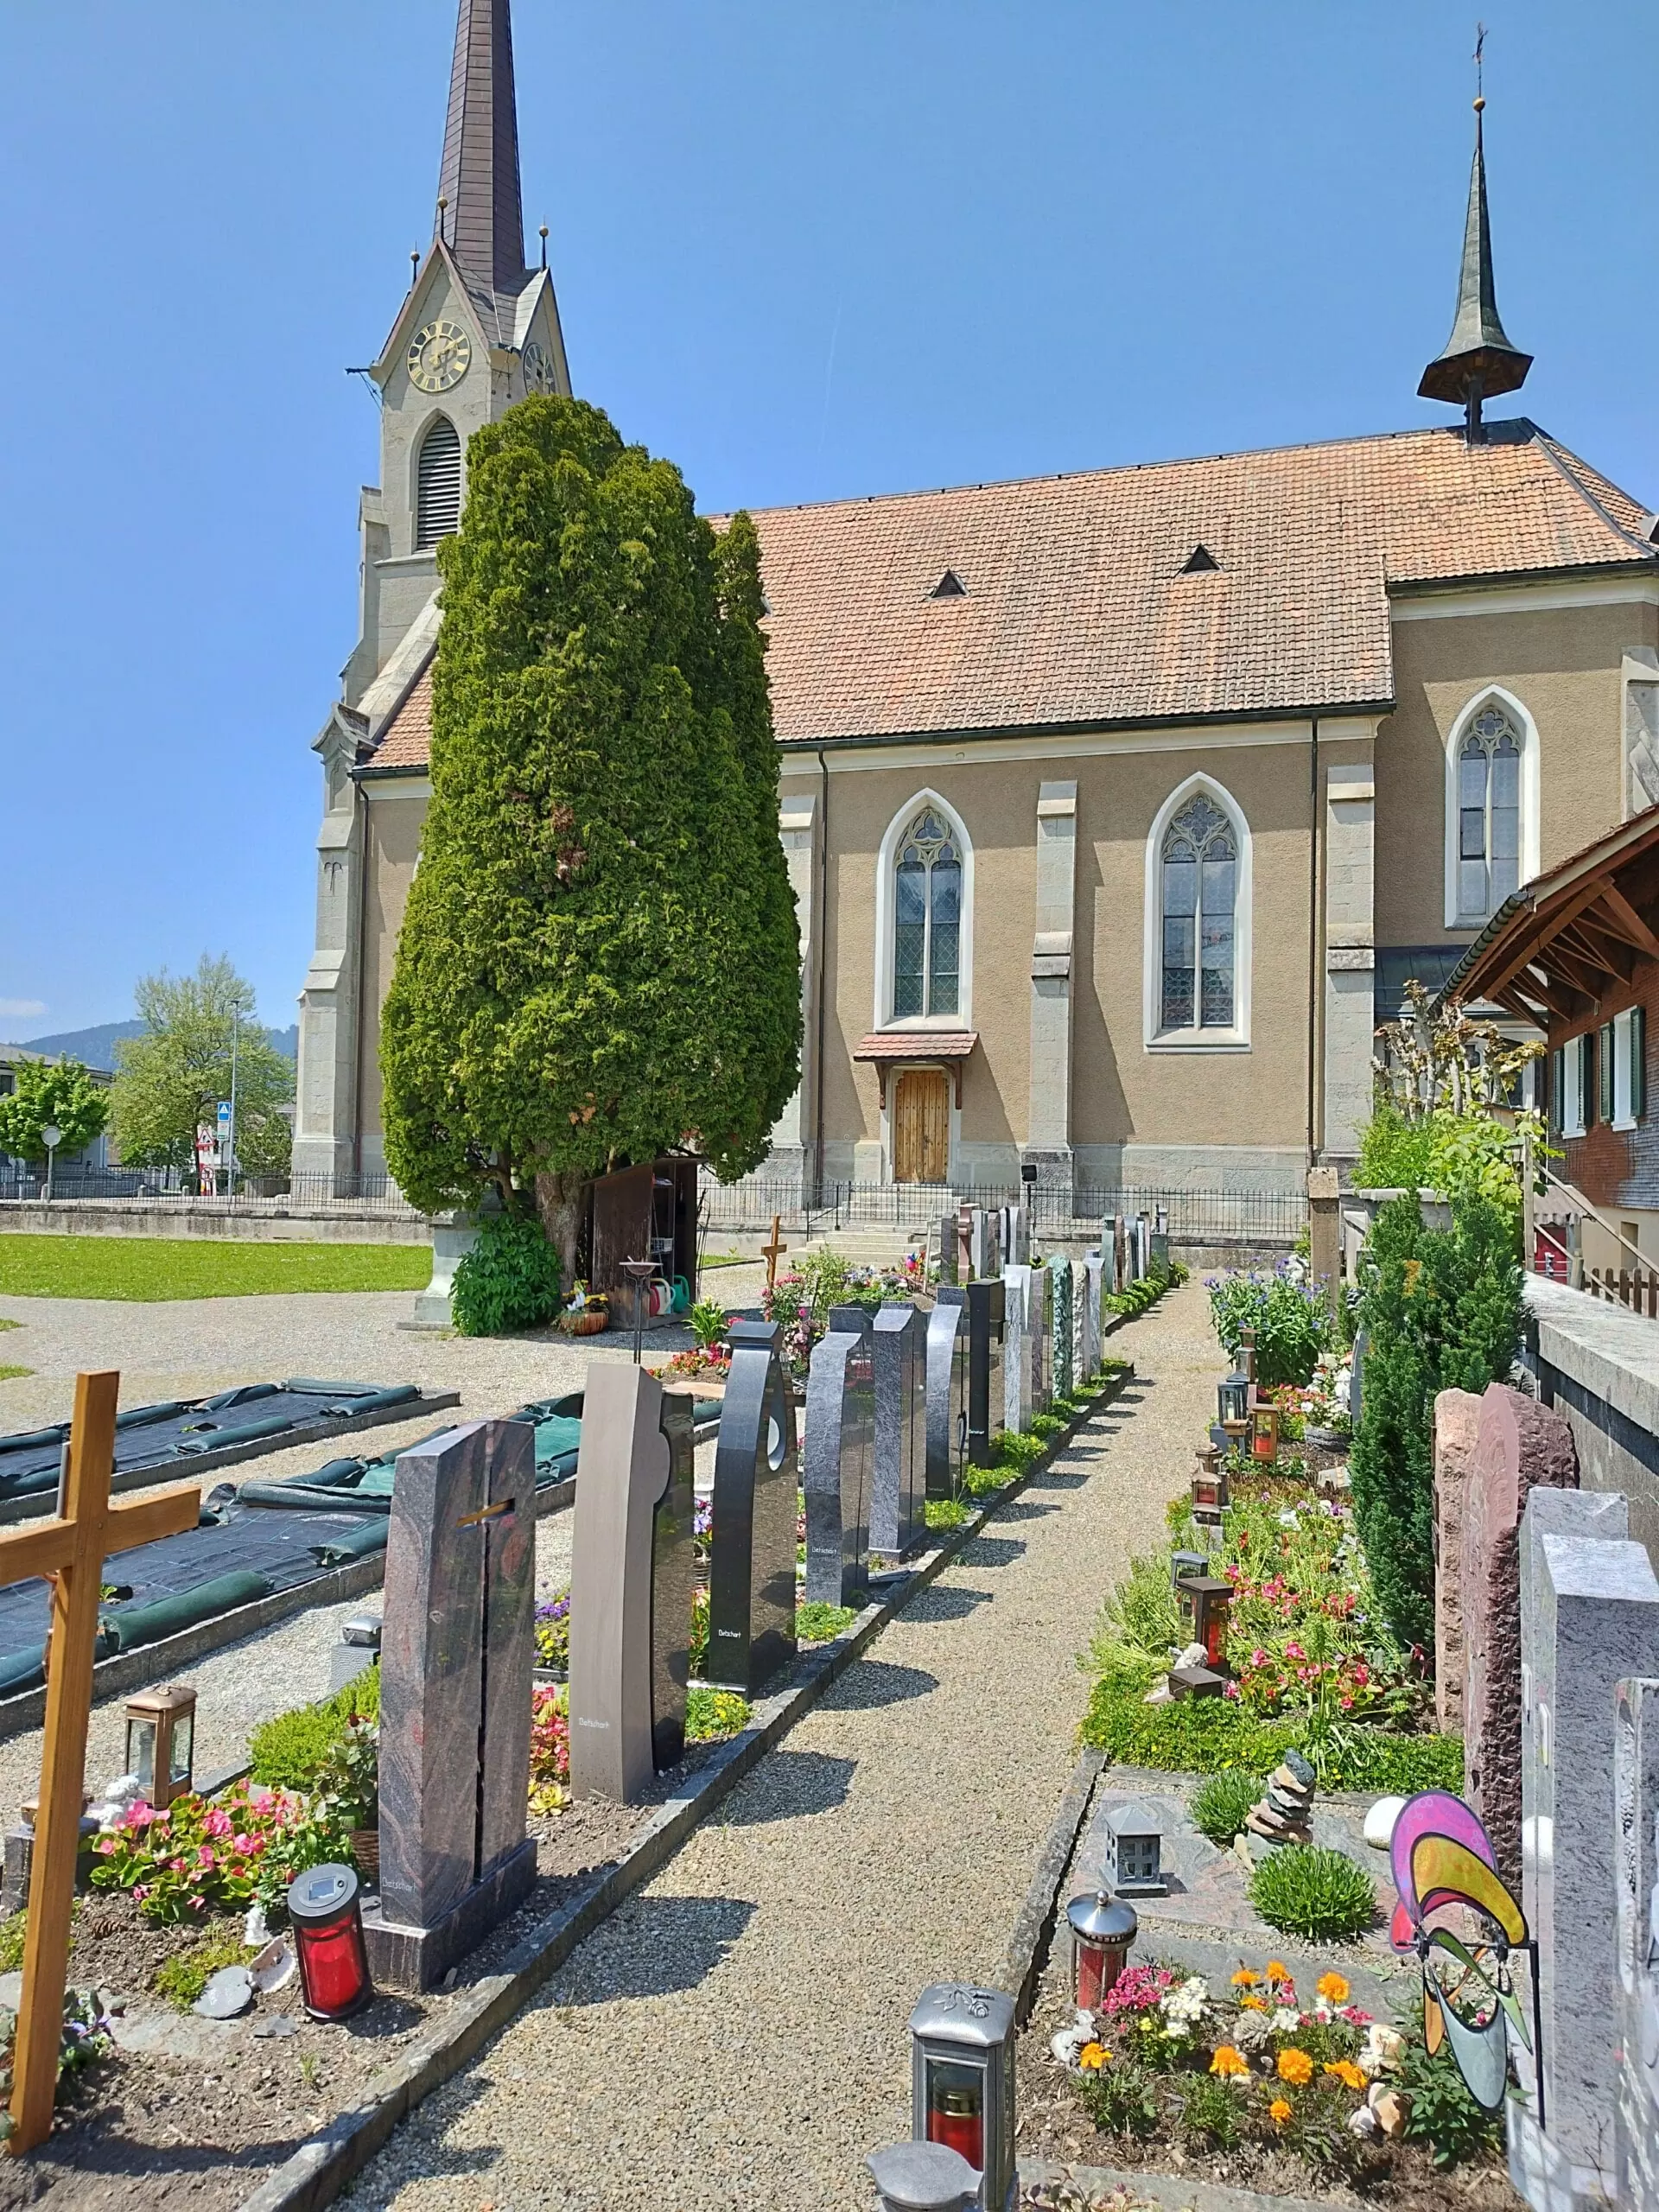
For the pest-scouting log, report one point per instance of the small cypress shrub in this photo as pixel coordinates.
(510, 1280)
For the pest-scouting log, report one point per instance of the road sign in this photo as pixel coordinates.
(224, 1117)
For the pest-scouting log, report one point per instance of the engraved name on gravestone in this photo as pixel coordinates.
(1636, 1828)
(752, 1544)
(1590, 1616)
(947, 1393)
(1060, 1271)
(837, 1458)
(1016, 1351)
(899, 1487)
(457, 1648)
(987, 1348)
(632, 1559)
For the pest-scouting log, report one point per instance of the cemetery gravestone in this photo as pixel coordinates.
(1636, 1813)
(899, 1487)
(457, 1647)
(1060, 1275)
(751, 1547)
(948, 1335)
(964, 1244)
(1016, 1351)
(1040, 1336)
(632, 1559)
(1519, 1445)
(949, 1267)
(990, 1342)
(1591, 1618)
(839, 1450)
(1094, 1290)
(988, 1242)
(1121, 1252)
(1457, 1424)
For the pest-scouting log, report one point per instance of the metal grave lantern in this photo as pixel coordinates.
(1233, 1402)
(1210, 1493)
(1212, 1600)
(1247, 1355)
(327, 1923)
(1182, 1567)
(962, 2082)
(1134, 1846)
(161, 1741)
(1103, 1930)
(1264, 1434)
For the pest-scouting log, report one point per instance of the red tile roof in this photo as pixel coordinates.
(1075, 610)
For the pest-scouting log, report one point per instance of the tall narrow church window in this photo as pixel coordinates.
(927, 920)
(1489, 814)
(437, 499)
(1200, 877)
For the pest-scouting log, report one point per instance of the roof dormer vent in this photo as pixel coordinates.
(1200, 562)
(950, 585)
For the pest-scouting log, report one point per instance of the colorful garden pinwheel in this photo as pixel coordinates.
(1459, 1918)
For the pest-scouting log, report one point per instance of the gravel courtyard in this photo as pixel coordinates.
(734, 2036)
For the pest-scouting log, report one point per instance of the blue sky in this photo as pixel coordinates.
(805, 252)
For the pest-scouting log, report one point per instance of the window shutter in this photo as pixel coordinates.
(1604, 1071)
(1638, 1062)
(437, 504)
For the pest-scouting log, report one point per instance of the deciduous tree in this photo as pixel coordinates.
(58, 1095)
(171, 1079)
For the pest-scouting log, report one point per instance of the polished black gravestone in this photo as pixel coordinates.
(837, 1458)
(457, 1646)
(752, 1545)
(899, 1491)
(987, 1303)
(947, 1392)
(632, 1562)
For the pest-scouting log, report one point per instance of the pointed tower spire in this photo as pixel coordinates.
(1479, 361)
(484, 223)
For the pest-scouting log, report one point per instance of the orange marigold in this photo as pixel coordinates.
(1295, 2067)
(1228, 2061)
(1252, 2004)
(1246, 1978)
(1333, 1987)
(1278, 2112)
(1093, 2056)
(1277, 1970)
(1347, 2072)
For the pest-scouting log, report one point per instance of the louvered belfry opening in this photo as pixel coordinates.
(437, 504)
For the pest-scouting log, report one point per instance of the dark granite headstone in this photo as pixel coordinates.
(1039, 1334)
(947, 1393)
(632, 1562)
(949, 1265)
(456, 1653)
(836, 1461)
(751, 1546)
(985, 1311)
(1059, 1273)
(899, 1490)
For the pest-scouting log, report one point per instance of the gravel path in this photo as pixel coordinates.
(734, 2036)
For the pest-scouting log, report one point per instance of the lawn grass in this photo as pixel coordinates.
(153, 1267)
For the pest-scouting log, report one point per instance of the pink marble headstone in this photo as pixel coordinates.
(1521, 1446)
(1457, 1423)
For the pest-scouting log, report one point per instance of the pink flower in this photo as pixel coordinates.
(205, 1855)
(139, 1817)
(1294, 1651)
(241, 1844)
(216, 1821)
(180, 1866)
(141, 1891)
(105, 1845)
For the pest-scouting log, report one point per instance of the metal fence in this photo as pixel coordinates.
(1264, 1219)
(273, 1194)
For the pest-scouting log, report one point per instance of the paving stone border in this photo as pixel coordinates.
(1034, 1924)
(1169, 2189)
(315, 2173)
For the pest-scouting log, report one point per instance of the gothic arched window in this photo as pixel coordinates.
(927, 919)
(1489, 813)
(1199, 865)
(438, 496)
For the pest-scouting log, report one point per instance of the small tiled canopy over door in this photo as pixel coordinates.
(921, 1126)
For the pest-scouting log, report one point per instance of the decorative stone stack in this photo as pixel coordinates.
(1281, 1815)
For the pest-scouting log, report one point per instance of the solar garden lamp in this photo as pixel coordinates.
(1212, 1600)
(962, 2083)
(1135, 1845)
(1103, 1930)
(924, 2177)
(326, 1916)
(161, 1741)
(51, 1137)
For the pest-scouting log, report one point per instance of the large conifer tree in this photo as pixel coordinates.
(600, 957)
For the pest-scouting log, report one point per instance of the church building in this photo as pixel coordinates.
(1119, 805)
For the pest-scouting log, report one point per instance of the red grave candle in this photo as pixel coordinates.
(955, 2110)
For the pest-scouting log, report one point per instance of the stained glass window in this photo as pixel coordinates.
(1200, 878)
(1489, 814)
(927, 920)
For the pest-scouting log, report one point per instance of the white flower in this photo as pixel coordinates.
(1290, 1518)
(1287, 2017)
(1068, 2044)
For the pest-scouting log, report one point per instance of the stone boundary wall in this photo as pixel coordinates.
(1598, 1365)
(335, 1225)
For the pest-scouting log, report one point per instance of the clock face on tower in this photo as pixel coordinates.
(538, 370)
(439, 357)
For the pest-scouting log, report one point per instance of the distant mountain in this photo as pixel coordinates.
(95, 1047)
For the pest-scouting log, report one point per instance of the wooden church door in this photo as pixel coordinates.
(921, 1126)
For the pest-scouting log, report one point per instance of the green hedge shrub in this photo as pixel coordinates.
(288, 1750)
(1442, 1311)
(510, 1280)
(1209, 1734)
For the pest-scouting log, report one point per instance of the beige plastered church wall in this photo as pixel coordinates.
(396, 809)
(1564, 663)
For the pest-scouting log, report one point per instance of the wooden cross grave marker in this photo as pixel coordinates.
(70, 1550)
(774, 1252)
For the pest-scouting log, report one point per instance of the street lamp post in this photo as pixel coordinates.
(51, 1137)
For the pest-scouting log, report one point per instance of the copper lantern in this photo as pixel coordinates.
(1103, 1930)
(1264, 1434)
(161, 1741)
(1209, 1493)
(1213, 1598)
